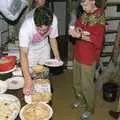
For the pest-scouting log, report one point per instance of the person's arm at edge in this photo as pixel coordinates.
(54, 46)
(25, 69)
(52, 37)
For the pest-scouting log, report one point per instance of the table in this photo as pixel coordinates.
(19, 92)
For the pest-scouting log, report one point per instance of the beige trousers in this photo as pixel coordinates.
(83, 84)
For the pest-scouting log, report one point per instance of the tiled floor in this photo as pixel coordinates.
(63, 97)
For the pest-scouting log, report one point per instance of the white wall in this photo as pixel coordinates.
(113, 0)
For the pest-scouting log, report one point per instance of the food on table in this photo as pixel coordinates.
(39, 72)
(41, 91)
(9, 107)
(38, 68)
(41, 81)
(41, 96)
(36, 111)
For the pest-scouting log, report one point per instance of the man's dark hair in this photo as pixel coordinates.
(43, 16)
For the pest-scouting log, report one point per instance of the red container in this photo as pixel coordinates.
(7, 63)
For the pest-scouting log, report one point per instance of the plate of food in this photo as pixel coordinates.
(38, 68)
(39, 72)
(15, 83)
(41, 85)
(3, 86)
(9, 107)
(38, 97)
(41, 92)
(36, 111)
(53, 63)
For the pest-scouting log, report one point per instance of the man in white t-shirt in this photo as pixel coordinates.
(33, 40)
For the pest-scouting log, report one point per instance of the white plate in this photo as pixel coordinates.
(15, 83)
(9, 107)
(46, 105)
(53, 63)
(8, 71)
(3, 86)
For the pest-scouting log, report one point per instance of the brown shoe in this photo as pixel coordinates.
(114, 114)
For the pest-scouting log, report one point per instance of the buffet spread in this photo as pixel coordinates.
(36, 106)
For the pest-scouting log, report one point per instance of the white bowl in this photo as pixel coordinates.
(38, 104)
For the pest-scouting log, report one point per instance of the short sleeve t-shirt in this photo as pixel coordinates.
(28, 35)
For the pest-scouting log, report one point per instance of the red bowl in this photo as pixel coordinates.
(8, 63)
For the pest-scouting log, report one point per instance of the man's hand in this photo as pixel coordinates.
(85, 35)
(28, 87)
(75, 32)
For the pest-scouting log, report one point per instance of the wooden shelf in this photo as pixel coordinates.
(110, 31)
(109, 43)
(105, 64)
(105, 54)
(113, 4)
(112, 18)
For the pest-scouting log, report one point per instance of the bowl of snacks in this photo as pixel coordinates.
(36, 111)
(40, 71)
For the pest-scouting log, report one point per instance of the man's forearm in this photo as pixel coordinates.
(25, 68)
(54, 47)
